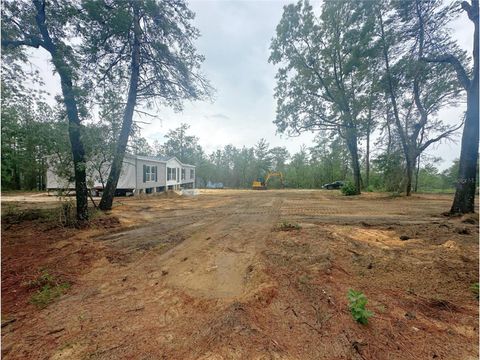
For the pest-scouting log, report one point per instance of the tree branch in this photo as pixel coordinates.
(36, 43)
(439, 137)
(452, 60)
(472, 11)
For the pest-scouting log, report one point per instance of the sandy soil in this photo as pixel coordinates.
(214, 277)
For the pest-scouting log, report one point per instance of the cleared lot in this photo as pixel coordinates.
(216, 277)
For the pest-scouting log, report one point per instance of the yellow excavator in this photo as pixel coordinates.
(261, 184)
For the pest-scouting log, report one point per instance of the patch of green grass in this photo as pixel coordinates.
(356, 303)
(16, 215)
(287, 226)
(475, 290)
(436, 191)
(47, 294)
(50, 289)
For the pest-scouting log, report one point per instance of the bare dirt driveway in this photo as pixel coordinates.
(217, 276)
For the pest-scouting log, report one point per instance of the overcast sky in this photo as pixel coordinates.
(235, 39)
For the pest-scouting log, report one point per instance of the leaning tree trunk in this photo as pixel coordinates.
(115, 170)
(70, 102)
(464, 201)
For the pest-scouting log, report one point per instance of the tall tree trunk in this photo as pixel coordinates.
(367, 158)
(464, 200)
(351, 138)
(417, 171)
(419, 127)
(389, 130)
(410, 168)
(16, 171)
(396, 116)
(115, 170)
(70, 102)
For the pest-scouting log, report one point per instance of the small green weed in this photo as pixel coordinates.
(44, 279)
(47, 294)
(349, 189)
(50, 289)
(356, 303)
(287, 226)
(475, 289)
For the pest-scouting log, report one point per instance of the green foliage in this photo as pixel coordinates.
(390, 168)
(48, 294)
(178, 143)
(327, 72)
(348, 189)
(50, 289)
(12, 214)
(356, 303)
(475, 289)
(67, 212)
(45, 278)
(138, 145)
(170, 65)
(28, 136)
(288, 226)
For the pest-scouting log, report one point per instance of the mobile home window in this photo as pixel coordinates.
(149, 173)
(171, 174)
(183, 174)
(192, 173)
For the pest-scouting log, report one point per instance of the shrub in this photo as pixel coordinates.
(287, 226)
(349, 189)
(356, 303)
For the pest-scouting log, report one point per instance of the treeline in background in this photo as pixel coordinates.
(33, 131)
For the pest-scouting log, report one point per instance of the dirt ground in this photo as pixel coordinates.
(215, 277)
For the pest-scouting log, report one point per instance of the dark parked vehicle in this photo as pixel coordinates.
(333, 185)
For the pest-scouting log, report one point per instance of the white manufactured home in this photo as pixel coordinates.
(140, 175)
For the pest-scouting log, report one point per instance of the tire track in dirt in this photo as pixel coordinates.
(212, 255)
(217, 260)
(220, 293)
